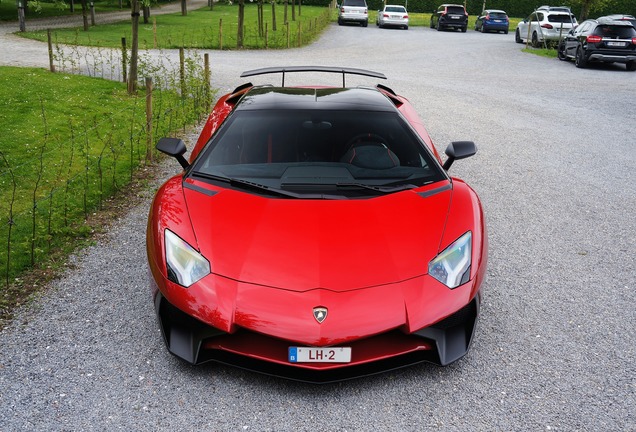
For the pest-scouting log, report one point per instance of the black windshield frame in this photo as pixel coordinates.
(318, 148)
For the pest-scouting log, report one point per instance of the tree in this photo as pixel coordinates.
(586, 5)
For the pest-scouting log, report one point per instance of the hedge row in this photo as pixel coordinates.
(514, 8)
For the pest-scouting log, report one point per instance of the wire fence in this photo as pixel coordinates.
(45, 202)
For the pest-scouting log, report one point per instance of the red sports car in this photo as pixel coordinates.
(315, 234)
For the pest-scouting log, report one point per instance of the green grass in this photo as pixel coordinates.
(203, 28)
(9, 12)
(68, 144)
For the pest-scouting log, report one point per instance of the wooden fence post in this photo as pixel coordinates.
(149, 119)
(50, 44)
(206, 75)
(300, 33)
(154, 32)
(182, 72)
(220, 33)
(124, 59)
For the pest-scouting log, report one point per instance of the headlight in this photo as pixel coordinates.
(185, 265)
(452, 266)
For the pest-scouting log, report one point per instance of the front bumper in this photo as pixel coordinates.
(196, 342)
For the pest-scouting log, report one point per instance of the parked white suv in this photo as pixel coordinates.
(355, 11)
(545, 24)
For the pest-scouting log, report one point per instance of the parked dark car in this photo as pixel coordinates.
(492, 20)
(601, 40)
(450, 16)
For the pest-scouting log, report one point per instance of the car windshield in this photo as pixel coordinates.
(318, 151)
(497, 15)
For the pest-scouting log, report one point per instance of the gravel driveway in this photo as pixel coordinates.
(555, 346)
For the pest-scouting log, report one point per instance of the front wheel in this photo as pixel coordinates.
(631, 66)
(580, 60)
(518, 37)
(561, 52)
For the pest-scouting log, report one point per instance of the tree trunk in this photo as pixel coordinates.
(146, 14)
(184, 8)
(85, 14)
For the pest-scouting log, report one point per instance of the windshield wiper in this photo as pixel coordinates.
(382, 189)
(248, 185)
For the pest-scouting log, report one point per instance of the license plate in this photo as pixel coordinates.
(454, 17)
(616, 44)
(319, 355)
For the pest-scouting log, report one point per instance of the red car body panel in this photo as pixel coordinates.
(272, 261)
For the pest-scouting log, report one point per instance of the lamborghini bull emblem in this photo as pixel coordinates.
(320, 313)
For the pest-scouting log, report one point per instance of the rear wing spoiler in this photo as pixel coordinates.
(327, 69)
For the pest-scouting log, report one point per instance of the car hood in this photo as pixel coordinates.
(300, 245)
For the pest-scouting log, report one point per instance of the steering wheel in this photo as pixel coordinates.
(366, 138)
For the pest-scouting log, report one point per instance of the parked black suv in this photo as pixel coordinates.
(450, 16)
(601, 40)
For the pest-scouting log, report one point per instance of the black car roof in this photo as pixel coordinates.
(336, 98)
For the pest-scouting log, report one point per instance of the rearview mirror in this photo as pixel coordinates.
(174, 147)
(459, 150)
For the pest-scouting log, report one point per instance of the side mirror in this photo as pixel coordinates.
(458, 150)
(174, 147)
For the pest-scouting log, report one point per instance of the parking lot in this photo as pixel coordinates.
(556, 341)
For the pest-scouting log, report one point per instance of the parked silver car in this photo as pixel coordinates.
(393, 15)
(544, 25)
(353, 11)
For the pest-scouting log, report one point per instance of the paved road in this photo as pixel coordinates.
(556, 343)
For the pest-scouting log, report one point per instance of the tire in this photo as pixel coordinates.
(518, 37)
(483, 29)
(439, 27)
(631, 66)
(561, 52)
(580, 61)
(431, 24)
(365, 23)
(406, 27)
(505, 31)
(339, 21)
(464, 29)
(535, 40)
